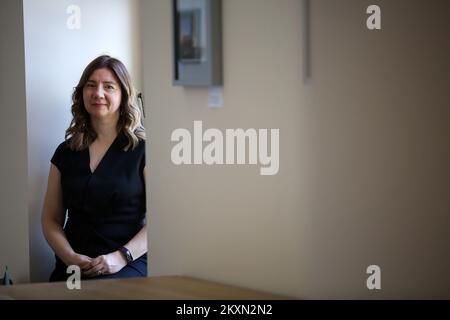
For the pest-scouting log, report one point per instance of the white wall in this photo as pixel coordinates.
(364, 174)
(13, 156)
(55, 59)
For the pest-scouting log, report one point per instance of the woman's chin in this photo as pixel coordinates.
(98, 116)
(98, 112)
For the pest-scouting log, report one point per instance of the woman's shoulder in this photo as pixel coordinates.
(140, 138)
(127, 143)
(63, 146)
(141, 142)
(140, 147)
(140, 135)
(60, 154)
(65, 149)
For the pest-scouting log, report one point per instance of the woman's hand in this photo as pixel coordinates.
(106, 264)
(79, 260)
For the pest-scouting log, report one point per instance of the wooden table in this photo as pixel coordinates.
(167, 287)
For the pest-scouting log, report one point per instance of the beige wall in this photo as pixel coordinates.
(364, 155)
(381, 132)
(13, 157)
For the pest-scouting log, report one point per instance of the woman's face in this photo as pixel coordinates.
(102, 94)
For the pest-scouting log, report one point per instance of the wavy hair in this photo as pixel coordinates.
(80, 133)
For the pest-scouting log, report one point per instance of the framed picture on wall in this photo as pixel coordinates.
(191, 44)
(197, 42)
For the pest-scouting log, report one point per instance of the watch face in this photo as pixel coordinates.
(127, 254)
(129, 257)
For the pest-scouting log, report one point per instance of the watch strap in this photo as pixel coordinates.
(127, 254)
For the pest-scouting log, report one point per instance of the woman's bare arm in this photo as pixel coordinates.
(52, 220)
(138, 244)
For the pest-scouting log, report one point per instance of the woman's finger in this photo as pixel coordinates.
(92, 265)
(93, 272)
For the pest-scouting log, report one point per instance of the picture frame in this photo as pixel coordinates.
(197, 42)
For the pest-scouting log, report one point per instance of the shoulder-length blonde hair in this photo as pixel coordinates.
(80, 133)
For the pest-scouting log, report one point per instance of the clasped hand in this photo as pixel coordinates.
(105, 264)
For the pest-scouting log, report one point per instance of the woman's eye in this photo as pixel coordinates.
(90, 85)
(109, 87)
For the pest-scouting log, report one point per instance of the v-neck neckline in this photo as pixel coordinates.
(102, 159)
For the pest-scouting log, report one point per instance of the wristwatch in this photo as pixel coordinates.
(127, 254)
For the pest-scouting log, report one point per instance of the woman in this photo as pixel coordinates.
(98, 175)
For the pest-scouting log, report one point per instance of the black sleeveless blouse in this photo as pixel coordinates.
(106, 208)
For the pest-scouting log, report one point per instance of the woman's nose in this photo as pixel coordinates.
(99, 93)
